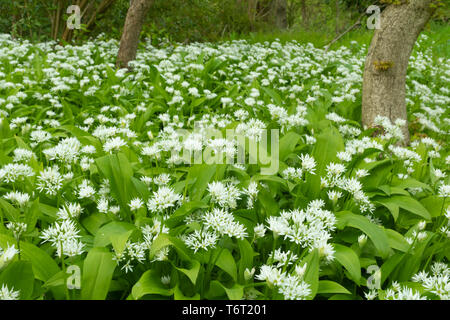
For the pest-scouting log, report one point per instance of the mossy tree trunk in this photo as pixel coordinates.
(384, 80)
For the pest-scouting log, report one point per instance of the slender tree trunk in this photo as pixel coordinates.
(336, 26)
(251, 12)
(131, 31)
(304, 13)
(384, 81)
(279, 9)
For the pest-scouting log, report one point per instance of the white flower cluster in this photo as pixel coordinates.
(335, 178)
(162, 199)
(223, 222)
(8, 293)
(438, 282)
(225, 196)
(291, 286)
(310, 228)
(7, 255)
(64, 237)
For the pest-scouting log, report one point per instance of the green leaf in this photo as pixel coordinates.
(288, 143)
(203, 174)
(107, 232)
(328, 144)
(389, 265)
(412, 183)
(150, 283)
(274, 95)
(11, 213)
(19, 276)
(192, 272)
(164, 240)
(185, 209)
(407, 203)
(349, 260)
(268, 202)
(312, 271)
(94, 221)
(396, 240)
(179, 295)
(58, 279)
(119, 241)
(435, 204)
(393, 208)
(226, 262)
(236, 292)
(326, 286)
(98, 270)
(374, 232)
(117, 169)
(246, 261)
(44, 267)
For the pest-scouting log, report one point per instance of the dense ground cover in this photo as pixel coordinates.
(92, 185)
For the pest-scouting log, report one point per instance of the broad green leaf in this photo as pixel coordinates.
(185, 209)
(19, 276)
(389, 265)
(374, 232)
(112, 229)
(393, 208)
(119, 241)
(407, 203)
(236, 292)
(164, 240)
(226, 262)
(396, 240)
(435, 205)
(9, 212)
(246, 257)
(288, 143)
(117, 169)
(203, 175)
(179, 295)
(192, 272)
(97, 273)
(57, 280)
(411, 183)
(44, 267)
(274, 95)
(312, 272)
(349, 260)
(268, 202)
(94, 221)
(150, 283)
(327, 286)
(328, 144)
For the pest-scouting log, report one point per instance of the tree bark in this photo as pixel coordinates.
(304, 13)
(280, 13)
(384, 80)
(337, 24)
(131, 32)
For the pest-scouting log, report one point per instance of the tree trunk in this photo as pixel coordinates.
(337, 24)
(131, 31)
(304, 13)
(384, 81)
(279, 10)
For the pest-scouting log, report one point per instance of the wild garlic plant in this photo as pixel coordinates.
(123, 179)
